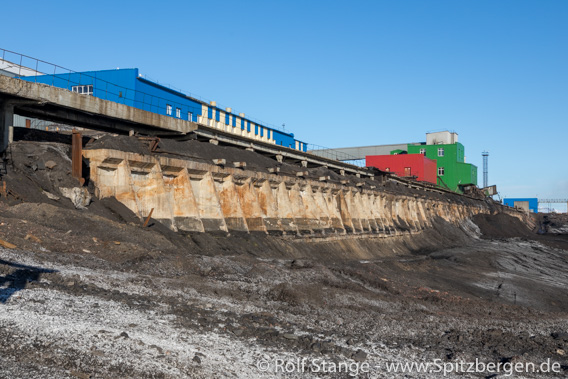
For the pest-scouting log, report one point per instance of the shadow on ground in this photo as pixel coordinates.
(18, 279)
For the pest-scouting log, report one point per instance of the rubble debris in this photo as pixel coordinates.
(30, 236)
(79, 196)
(50, 164)
(7, 244)
(51, 196)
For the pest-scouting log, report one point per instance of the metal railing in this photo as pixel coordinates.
(326, 152)
(36, 70)
(25, 67)
(553, 201)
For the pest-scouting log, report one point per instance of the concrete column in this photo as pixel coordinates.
(300, 210)
(374, 208)
(208, 203)
(344, 211)
(380, 213)
(149, 192)
(250, 206)
(332, 200)
(119, 182)
(367, 202)
(186, 213)
(6, 122)
(314, 213)
(394, 219)
(325, 214)
(352, 209)
(230, 205)
(361, 210)
(269, 206)
(285, 209)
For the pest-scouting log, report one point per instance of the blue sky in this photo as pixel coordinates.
(343, 73)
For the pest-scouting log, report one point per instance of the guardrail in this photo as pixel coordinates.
(329, 153)
(22, 66)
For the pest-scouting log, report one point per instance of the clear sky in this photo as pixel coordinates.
(341, 73)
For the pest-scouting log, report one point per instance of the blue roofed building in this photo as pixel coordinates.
(127, 86)
(527, 204)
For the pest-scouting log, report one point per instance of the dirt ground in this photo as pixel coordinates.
(91, 293)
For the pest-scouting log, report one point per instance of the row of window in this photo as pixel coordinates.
(169, 111)
(440, 151)
(258, 129)
(84, 90)
(407, 171)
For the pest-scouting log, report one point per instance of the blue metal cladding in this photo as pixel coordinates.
(154, 98)
(533, 202)
(125, 86)
(114, 85)
(284, 139)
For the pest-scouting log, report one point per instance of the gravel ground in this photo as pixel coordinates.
(61, 316)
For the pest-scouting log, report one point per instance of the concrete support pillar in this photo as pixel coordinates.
(230, 205)
(251, 206)
(6, 123)
(123, 190)
(269, 206)
(376, 212)
(394, 218)
(361, 209)
(149, 192)
(186, 213)
(301, 217)
(367, 203)
(326, 215)
(208, 203)
(353, 211)
(331, 197)
(344, 211)
(314, 213)
(411, 216)
(285, 209)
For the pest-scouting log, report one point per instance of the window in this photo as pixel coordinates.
(440, 151)
(423, 151)
(168, 109)
(189, 116)
(440, 171)
(178, 112)
(83, 90)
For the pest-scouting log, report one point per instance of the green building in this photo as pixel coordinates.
(444, 148)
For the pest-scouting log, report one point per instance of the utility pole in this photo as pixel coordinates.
(485, 155)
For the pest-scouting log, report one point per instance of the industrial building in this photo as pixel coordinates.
(415, 166)
(127, 86)
(527, 204)
(451, 171)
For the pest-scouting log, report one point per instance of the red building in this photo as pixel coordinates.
(405, 165)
